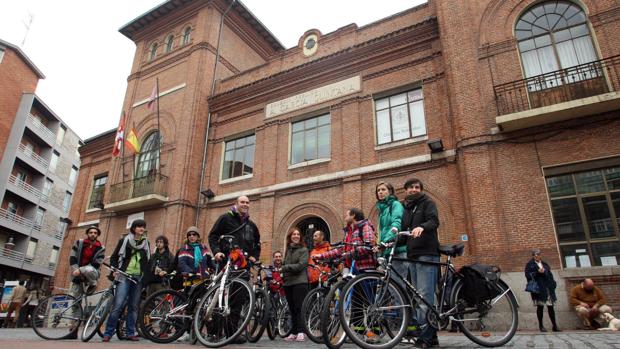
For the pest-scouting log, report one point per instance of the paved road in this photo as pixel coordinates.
(27, 339)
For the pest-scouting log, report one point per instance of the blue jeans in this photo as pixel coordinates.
(126, 291)
(424, 278)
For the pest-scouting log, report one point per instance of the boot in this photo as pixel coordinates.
(551, 312)
(539, 315)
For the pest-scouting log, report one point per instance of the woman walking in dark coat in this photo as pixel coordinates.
(540, 271)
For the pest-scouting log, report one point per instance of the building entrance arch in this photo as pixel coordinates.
(309, 225)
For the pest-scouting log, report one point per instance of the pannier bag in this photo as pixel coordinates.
(480, 283)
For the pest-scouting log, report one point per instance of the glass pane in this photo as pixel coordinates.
(324, 142)
(251, 139)
(598, 216)
(238, 167)
(228, 165)
(297, 148)
(384, 133)
(579, 30)
(298, 126)
(575, 256)
(415, 95)
(523, 34)
(239, 143)
(560, 186)
(400, 122)
(615, 201)
(398, 99)
(561, 35)
(526, 45)
(248, 166)
(230, 146)
(324, 120)
(311, 144)
(607, 253)
(550, 8)
(310, 123)
(543, 41)
(418, 124)
(522, 25)
(589, 182)
(382, 104)
(576, 19)
(538, 11)
(567, 220)
(553, 20)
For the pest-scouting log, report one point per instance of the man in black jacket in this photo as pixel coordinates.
(237, 223)
(421, 219)
(131, 255)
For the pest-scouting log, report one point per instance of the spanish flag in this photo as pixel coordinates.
(132, 141)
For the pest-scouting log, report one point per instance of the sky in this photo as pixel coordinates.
(86, 61)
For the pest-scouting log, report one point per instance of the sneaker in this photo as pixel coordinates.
(300, 337)
(291, 338)
(105, 339)
(371, 337)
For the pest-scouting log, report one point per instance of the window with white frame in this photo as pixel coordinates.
(311, 139)
(96, 195)
(238, 157)
(54, 161)
(66, 203)
(47, 187)
(73, 175)
(400, 116)
(32, 248)
(38, 218)
(54, 255)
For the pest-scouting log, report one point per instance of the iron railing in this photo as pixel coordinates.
(12, 255)
(15, 218)
(24, 186)
(40, 126)
(31, 154)
(580, 81)
(138, 187)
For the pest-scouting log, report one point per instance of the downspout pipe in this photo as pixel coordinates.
(206, 145)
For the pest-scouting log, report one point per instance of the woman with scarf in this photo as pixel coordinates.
(159, 265)
(131, 255)
(390, 216)
(194, 257)
(295, 281)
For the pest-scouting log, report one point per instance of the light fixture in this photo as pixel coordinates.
(66, 220)
(435, 145)
(208, 193)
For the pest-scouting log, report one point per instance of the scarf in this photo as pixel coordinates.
(197, 253)
(386, 203)
(130, 240)
(88, 250)
(244, 216)
(412, 200)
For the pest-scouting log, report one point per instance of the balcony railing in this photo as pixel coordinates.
(139, 187)
(15, 218)
(25, 186)
(580, 81)
(12, 255)
(41, 127)
(34, 156)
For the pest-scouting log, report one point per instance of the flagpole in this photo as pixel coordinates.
(158, 129)
(123, 146)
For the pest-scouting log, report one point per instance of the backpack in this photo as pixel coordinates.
(480, 283)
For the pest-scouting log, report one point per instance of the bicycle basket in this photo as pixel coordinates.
(480, 283)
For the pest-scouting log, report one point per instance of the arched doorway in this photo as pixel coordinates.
(309, 225)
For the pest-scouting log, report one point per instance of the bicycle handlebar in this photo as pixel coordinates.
(117, 270)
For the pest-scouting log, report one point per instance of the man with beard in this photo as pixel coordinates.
(589, 302)
(85, 259)
(320, 246)
(421, 219)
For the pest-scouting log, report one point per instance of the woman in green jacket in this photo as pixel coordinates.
(390, 217)
(295, 276)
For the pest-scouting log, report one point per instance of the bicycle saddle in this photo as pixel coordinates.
(452, 250)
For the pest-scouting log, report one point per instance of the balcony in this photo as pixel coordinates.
(25, 190)
(41, 130)
(16, 222)
(139, 192)
(11, 258)
(571, 93)
(33, 158)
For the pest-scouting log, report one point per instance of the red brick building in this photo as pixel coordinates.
(518, 99)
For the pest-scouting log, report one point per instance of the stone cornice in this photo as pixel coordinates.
(340, 64)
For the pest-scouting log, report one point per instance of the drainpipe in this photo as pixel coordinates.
(206, 146)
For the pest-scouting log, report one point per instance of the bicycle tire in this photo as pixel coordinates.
(47, 313)
(311, 313)
(260, 316)
(478, 333)
(121, 326)
(272, 321)
(217, 324)
(159, 304)
(361, 293)
(97, 316)
(285, 321)
(332, 333)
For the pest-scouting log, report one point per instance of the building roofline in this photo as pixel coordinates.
(51, 112)
(100, 135)
(24, 57)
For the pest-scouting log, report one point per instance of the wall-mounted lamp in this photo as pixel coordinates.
(435, 145)
(208, 193)
(66, 220)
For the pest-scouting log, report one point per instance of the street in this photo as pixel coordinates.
(25, 338)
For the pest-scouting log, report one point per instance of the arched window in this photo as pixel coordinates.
(554, 35)
(148, 161)
(169, 41)
(153, 51)
(187, 35)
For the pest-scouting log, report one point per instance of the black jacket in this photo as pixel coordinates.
(163, 261)
(421, 213)
(144, 261)
(247, 236)
(546, 282)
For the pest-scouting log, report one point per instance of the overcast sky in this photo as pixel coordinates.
(86, 61)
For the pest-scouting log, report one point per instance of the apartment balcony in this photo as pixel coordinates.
(16, 222)
(31, 158)
(41, 130)
(24, 189)
(11, 258)
(565, 94)
(137, 193)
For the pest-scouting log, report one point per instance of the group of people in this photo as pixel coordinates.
(22, 303)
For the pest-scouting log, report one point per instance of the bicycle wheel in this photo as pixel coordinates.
(156, 321)
(311, 313)
(57, 317)
(285, 321)
(97, 316)
(218, 323)
(373, 313)
(272, 321)
(121, 326)
(332, 334)
(490, 323)
(260, 316)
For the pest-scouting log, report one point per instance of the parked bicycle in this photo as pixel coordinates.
(280, 322)
(262, 307)
(376, 310)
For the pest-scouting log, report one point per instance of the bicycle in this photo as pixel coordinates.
(225, 310)
(280, 322)
(59, 316)
(376, 302)
(262, 307)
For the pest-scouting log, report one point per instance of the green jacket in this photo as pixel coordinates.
(390, 216)
(295, 265)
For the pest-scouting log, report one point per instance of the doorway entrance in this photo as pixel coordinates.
(309, 225)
